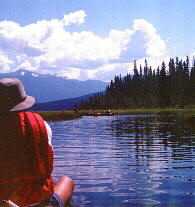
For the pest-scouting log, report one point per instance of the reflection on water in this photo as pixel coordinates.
(127, 160)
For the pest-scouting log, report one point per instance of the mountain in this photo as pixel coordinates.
(48, 88)
(60, 105)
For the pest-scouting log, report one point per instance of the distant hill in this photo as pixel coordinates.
(48, 88)
(60, 105)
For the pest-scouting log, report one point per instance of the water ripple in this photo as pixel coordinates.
(126, 160)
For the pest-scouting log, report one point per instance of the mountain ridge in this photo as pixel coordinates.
(49, 88)
(60, 105)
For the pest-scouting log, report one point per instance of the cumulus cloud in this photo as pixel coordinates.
(107, 71)
(5, 62)
(48, 46)
(77, 17)
(155, 46)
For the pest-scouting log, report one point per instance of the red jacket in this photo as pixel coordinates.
(26, 159)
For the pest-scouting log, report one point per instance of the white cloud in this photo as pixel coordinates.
(77, 17)
(5, 62)
(155, 46)
(192, 58)
(47, 46)
(71, 73)
(107, 71)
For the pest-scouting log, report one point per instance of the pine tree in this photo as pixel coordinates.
(192, 85)
(172, 82)
(186, 76)
(163, 89)
(154, 88)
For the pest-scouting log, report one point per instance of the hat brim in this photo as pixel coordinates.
(27, 103)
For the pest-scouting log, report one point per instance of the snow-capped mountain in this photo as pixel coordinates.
(47, 87)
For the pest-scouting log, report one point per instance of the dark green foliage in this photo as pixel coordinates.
(167, 86)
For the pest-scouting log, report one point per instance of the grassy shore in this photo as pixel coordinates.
(59, 115)
(186, 114)
(144, 111)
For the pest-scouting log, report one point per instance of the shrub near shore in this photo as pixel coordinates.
(59, 115)
(188, 114)
(143, 111)
(185, 114)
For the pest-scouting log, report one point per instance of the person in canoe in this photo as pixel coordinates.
(26, 155)
(108, 113)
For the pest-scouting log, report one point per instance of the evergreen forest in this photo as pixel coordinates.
(168, 86)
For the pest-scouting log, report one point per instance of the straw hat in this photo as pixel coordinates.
(12, 95)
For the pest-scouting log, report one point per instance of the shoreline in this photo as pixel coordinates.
(186, 114)
(58, 115)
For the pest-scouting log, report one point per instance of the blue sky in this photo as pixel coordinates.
(93, 39)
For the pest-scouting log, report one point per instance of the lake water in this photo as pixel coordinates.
(135, 160)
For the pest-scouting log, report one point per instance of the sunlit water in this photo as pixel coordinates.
(126, 160)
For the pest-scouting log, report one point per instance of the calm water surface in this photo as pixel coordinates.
(126, 160)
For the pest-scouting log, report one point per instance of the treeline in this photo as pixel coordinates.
(167, 86)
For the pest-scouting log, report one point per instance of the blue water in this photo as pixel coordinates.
(126, 160)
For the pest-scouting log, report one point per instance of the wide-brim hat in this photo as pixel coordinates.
(13, 97)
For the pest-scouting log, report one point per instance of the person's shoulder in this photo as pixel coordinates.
(49, 132)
